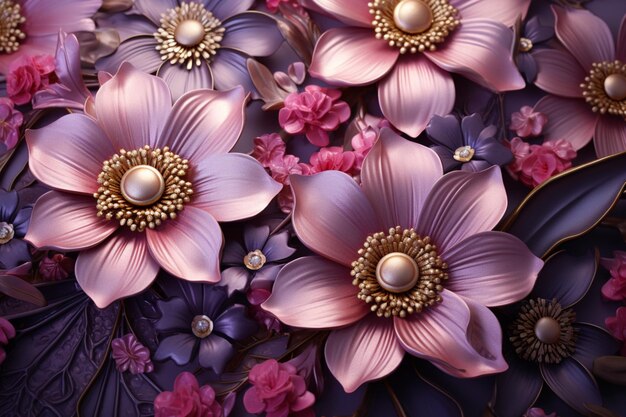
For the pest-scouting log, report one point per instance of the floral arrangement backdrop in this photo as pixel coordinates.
(297, 208)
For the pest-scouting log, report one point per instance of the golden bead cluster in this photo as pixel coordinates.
(594, 91)
(10, 21)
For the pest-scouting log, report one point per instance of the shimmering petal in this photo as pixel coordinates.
(620, 50)
(138, 50)
(180, 80)
(230, 70)
(572, 383)
(254, 33)
(223, 9)
(610, 136)
(568, 119)
(214, 353)
(234, 323)
(153, 9)
(511, 401)
(178, 347)
(352, 12)
(593, 342)
(559, 73)
(45, 17)
(503, 11)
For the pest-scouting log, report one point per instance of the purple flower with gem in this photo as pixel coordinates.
(533, 34)
(203, 324)
(14, 219)
(467, 143)
(130, 355)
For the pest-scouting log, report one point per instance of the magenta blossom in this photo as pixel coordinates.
(408, 264)
(534, 164)
(538, 412)
(7, 331)
(617, 327)
(10, 122)
(333, 158)
(269, 149)
(143, 184)
(528, 122)
(56, 267)
(410, 47)
(130, 355)
(615, 288)
(187, 399)
(28, 75)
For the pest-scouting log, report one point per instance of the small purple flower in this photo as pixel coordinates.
(533, 34)
(7, 331)
(14, 221)
(10, 122)
(56, 267)
(131, 355)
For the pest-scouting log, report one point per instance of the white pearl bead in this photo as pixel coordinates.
(142, 185)
(615, 86)
(189, 33)
(412, 16)
(397, 272)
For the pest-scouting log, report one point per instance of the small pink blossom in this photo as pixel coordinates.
(187, 400)
(535, 164)
(131, 355)
(617, 327)
(10, 122)
(362, 142)
(272, 5)
(56, 268)
(316, 111)
(615, 288)
(285, 200)
(277, 390)
(281, 169)
(269, 149)
(528, 122)
(7, 331)
(332, 158)
(538, 412)
(28, 75)
(256, 296)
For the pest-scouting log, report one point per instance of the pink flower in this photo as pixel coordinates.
(615, 288)
(272, 5)
(535, 164)
(277, 390)
(56, 268)
(137, 143)
(187, 400)
(256, 297)
(269, 149)
(520, 150)
(410, 55)
(282, 168)
(362, 142)
(28, 75)
(10, 122)
(332, 158)
(405, 209)
(528, 122)
(538, 412)
(617, 327)
(130, 355)
(7, 331)
(316, 111)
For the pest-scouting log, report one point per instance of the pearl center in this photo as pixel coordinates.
(397, 272)
(254, 260)
(202, 326)
(615, 86)
(142, 185)
(189, 33)
(548, 330)
(412, 16)
(6, 232)
(463, 154)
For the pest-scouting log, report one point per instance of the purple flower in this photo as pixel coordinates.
(14, 221)
(202, 323)
(10, 122)
(467, 144)
(187, 399)
(7, 331)
(131, 355)
(56, 267)
(533, 34)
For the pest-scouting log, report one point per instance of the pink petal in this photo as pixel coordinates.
(351, 12)
(610, 136)
(118, 268)
(180, 80)
(492, 268)
(205, 122)
(313, 292)
(414, 92)
(332, 216)
(585, 35)
(459, 336)
(45, 17)
(68, 153)
(397, 176)
(480, 50)
(620, 50)
(367, 350)
(559, 73)
(462, 204)
(351, 56)
(67, 222)
(188, 246)
(132, 108)
(568, 119)
(504, 11)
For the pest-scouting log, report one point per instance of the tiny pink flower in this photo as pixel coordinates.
(277, 390)
(282, 168)
(56, 267)
(535, 164)
(269, 149)
(615, 288)
(528, 122)
(272, 5)
(285, 200)
(362, 142)
(7, 331)
(28, 75)
(617, 327)
(316, 111)
(538, 412)
(131, 355)
(187, 399)
(10, 122)
(332, 158)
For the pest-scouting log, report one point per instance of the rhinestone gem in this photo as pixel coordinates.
(201, 326)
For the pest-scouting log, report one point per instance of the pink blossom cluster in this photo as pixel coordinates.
(617, 327)
(29, 74)
(7, 331)
(10, 122)
(615, 288)
(528, 122)
(534, 164)
(187, 399)
(272, 5)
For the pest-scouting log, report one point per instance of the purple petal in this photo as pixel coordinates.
(178, 347)
(234, 323)
(277, 248)
(8, 205)
(253, 33)
(127, 25)
(140, 51)
(233, 253)
(621, 41)
(610, 136)
(223, 9)
(447, 158)
(527, 66)
(572, 383)
(445, 131)
(255, 237)
(230, 71)
(593, 342)
(511, 401)
(214, 353)
(559, 73)
(175, 315)
(578, 130)
(153, 9)
(180, 80)
(235, 279)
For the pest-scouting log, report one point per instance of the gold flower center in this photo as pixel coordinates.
(525, 45)
(254, 260)
(201, 326)
(605, 88)
(10, 21)
(6, 232)
(464, 154)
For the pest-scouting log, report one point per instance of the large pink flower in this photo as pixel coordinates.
(587, 82)
(430, 262)
(469, 37)
(162, 179)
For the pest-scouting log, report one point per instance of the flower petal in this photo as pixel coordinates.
(510, 400)
(47, 18)
(559, 73)
(188, 246)
(253, 33)
(504, 11)
(492, 268)
(593, 342)
(178, 347)
(118, 268)
(568, 119)
(214, 353)
(277, 247)
(332, 215)
(397, 176)
(180, 80)
(174, 315)
(367, 350)
(223, 9)
(313, 292)
(234, 323)
(67, 222)
(68, 153)
(234, 279)
(351, 12)
(572, 383)
(139, 51)
(446, 132)
(414, 92)
(351, 56)
(230, 70)
(610, 136)
(153, 9)
(620, 50)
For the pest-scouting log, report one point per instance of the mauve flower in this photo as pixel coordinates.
(586, 81)
(28, 75)
(277, 390)
(269, 149)
(143, 184)
(443, 221)
(14, 219)
(528, 122)
(538, 412)
(542, 162)
(367, 129)
(7, 331)
(256, 297)
(469, 37)
(314, 112)
(187, 400)
(615, 288)
(333, 158)
(130, 355)
(10, 122)
(193, 44)
(617, 327)
(467, 143)
(534, 33)
(56, 267)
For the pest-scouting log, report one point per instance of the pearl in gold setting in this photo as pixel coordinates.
(548, 330)
(142, 185)
(189, 33)
(412, 16)
(397, 272)
(615, 86)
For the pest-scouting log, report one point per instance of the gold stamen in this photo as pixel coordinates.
(10, 21)
(595, 88)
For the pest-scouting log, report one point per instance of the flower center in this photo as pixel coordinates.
(6, 232)
(413, 25)
(464, 154)
(525, 45)
(143, 187)
(543, 332)
(605, 88)
(10, 21)
(254, 260)
(189, 34)
(202, 326)
(399, 273)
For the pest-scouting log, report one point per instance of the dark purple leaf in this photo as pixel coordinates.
(16, 287)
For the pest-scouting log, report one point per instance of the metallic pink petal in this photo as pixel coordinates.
(480, 50)
(558, 72)
(620, 49)
(492, 268)
(140, 51)
(205, 122)
(414, 91)
(462, 204)
(569, 119)
(332, 216)
(585, 35)
(67, 222)
(188, 246)
(313, 292)
(610, 136)
(351, 12)
(132, 108)
(461, 337)
(180, 80)
(120, 267)
(504, 11)
(367, 350)
(232, 186)
(48, 17)
(351, 56)
(68, 153)
(253, 33)
(397, 176)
